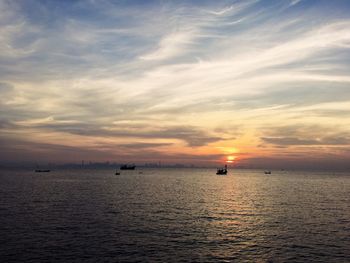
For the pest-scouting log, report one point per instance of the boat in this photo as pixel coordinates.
(127, 167)
(267, 172)
(117, 173)
(222, 171)
(42, 170)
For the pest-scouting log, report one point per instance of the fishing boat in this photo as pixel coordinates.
(222, 171)
(267, 172)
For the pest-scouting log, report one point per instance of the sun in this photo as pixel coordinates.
(230, 158)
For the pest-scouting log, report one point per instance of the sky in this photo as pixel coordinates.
(250, 83)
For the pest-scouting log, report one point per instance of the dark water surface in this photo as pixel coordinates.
(174, 215)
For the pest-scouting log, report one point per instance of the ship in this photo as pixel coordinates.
(127, 167)
(222, 171)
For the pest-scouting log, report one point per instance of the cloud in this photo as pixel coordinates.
(306, 135)
(6, 124)
(6, 90)
(171, 46)
(330, 113)
(289, 141)
(223, 11)
(193, 136)
(294, 2)
(142, 145)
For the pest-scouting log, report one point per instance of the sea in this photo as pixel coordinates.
(174, 215)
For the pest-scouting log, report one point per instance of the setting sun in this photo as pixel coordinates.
(230, 159)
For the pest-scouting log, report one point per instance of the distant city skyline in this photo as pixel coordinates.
(249, 83)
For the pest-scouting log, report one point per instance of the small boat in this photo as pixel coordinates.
(127, 167)
(117, 173)
(42, 170)
(267, 172)
(222, 171)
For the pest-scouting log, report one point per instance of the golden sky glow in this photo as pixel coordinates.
(251, 83)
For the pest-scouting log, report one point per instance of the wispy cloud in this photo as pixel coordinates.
(306, 135)
(171, 46)
(294, 2)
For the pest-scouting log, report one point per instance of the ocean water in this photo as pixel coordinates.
(174, 215)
